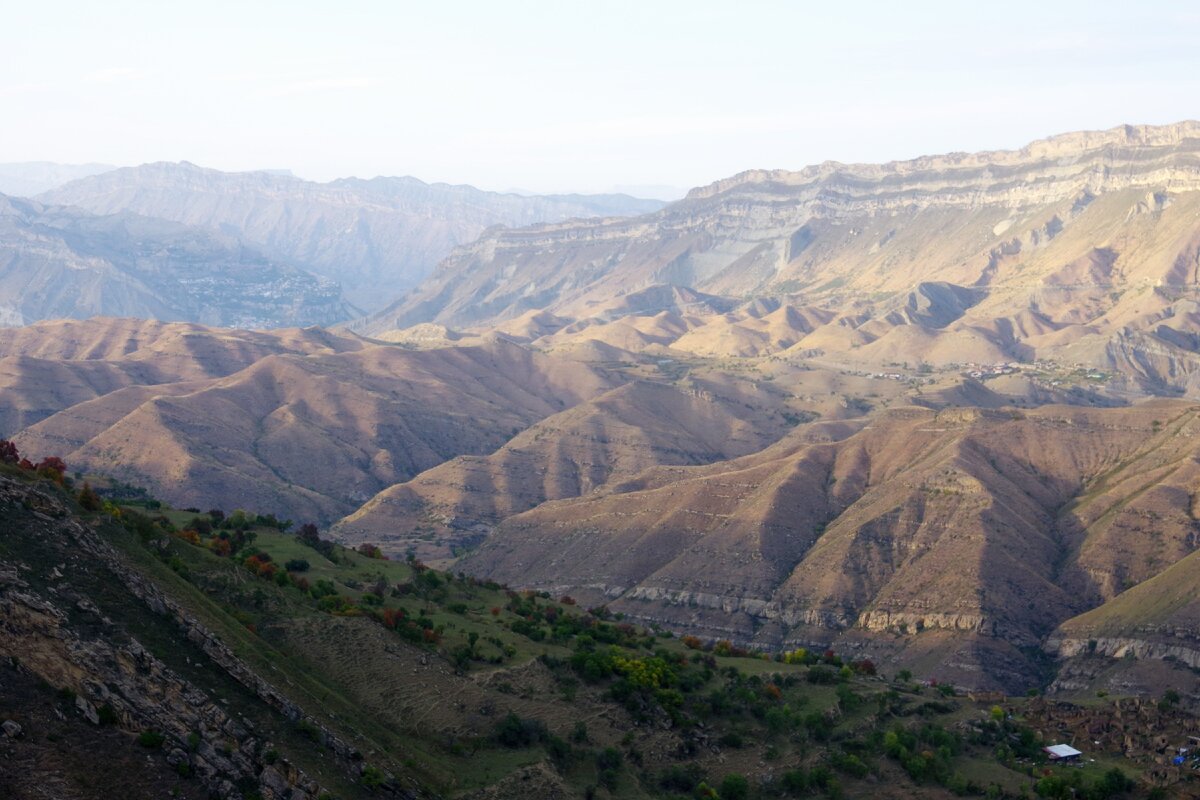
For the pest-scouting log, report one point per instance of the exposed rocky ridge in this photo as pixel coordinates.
(60, 262)
(1155, 620)
(44, 632)
(374, 237)
(923, 521)
(1069, 156)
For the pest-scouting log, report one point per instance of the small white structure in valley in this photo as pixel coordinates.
(1062, 752)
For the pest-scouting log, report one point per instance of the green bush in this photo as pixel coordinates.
(151, 740)
(107, 714)
(372, 777)
(514, 732)
(734, 787)
(849, 764)
(681, 779)
(609, 758)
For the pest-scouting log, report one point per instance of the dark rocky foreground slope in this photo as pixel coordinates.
(72, 610)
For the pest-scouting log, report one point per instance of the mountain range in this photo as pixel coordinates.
(375, 238)
(61, 262)
(1082, 248)
(937, 413)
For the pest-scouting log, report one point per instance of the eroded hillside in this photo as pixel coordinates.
(958, 538)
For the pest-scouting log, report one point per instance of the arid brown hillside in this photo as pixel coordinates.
(613, 437)
(955, 538)
(48, 367)
(312, 437)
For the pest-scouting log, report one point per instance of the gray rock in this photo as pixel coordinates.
(272, 781)
(11, 729)
(88, 710)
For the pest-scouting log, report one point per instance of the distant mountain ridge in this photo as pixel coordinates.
(61, 262)
(28, 178)
(375, 237)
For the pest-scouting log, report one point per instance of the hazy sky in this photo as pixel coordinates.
(574, 95)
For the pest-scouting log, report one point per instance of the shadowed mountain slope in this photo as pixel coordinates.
(610, 438)
(313, 435)
(51, 366)
(982, 529)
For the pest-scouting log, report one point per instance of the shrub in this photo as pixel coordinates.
(514, 732)
(794, 782)
(822, 675)
(88, 499)
(849, 764)
(731, 739)
(151, 740)
(53, 468)
(559, 751)
(608, 759)
(734, 787)
(608, 779)
(296, 565)
(372, 777)
(681, 779)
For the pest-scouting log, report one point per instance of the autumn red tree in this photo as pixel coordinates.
(8, 452)
(52, 467)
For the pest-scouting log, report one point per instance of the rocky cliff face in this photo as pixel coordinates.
(375, 237)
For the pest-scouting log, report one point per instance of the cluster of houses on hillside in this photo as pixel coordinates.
(984, 371)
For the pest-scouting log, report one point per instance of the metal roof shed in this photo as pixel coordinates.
(1062, 752)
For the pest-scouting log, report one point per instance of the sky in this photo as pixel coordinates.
(653, 96)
